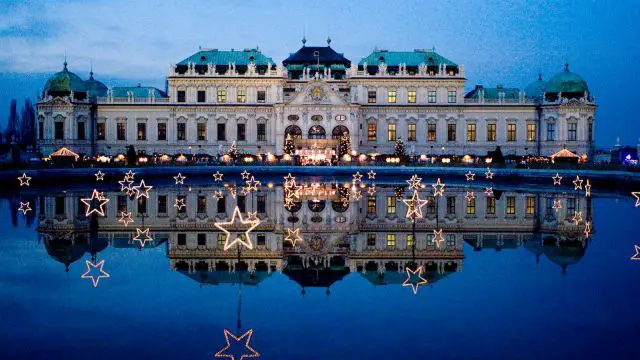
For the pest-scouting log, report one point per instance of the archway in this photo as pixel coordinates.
(339, 131)
(317, 132)
(294, 131)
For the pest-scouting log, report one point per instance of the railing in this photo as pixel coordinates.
(132, 100)
(499, 101)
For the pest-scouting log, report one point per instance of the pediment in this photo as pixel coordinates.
(318, 92)
(57, 101)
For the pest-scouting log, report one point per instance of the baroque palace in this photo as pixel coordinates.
(316, 97)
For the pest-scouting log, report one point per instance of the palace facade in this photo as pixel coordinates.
(315, 97)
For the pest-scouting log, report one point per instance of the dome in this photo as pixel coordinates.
(63, 83)
(535, 89)
(95, 88)
(567, 82)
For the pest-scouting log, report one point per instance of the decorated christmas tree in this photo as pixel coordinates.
(233, 151)
(289, 147)
(399, 148)
(345, 145)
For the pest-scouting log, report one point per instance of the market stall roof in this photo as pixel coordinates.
(564, 153)
(63, 151)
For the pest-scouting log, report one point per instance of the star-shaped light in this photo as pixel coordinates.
(587, 228)
(557, 205)
(371, 190)
(252, 216)
(587, 189)
(577, 183)
(293, 236)
(470, 195)
(139, 236)
(488, 174)
(240, 240)
(125, 218)
(438, 188)
(488, 191)
(414, 206)
(248, 351)
(179, 203)
(357, 177)
(218, 195)
(288, 179)
(412, 274)
(577, 217)
(414, 182)
(636, 194)
(125, 184)
(142, 190)
(24, 179)
(24, 207)
(356, 194)
(179, 179)
(253, 184)
(470, 176)
(288, 203)
(217, 176)
(245, 175)
(96, 199)
(636, 256)
(129, 175)
(95, 279)
(438, 237)
(131, 192)
(371, 174)
(99, 176)
(557, 179)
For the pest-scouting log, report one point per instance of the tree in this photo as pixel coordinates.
(497, 156)
(289, 147)
(233, 151)
(10, 132)
(399, 148)
(345, 145)
(28, 124)
(132, 157)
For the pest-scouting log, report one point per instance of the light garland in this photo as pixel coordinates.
(470, 195)
(636, 256)
(587, 229)
(438, 237)
(129, 175)
(253, 184)
(438, 188)
(245, 175)
(24, 180)
(218, 195)
(371, 174)
(238, 240)
(99, 209)
(488, 174)
(217, 176)
(414, 285)
(95, 279)
(470, 176)
(24, 207)
(577, 183)
(488, 191)
(126, 187)
(144, 233)
(414, 182)
(246, 337)
(125, 218)
(179, 179)
(577, 217)
(587, 189)
(557, 179)
(636, 194)
(414, 206)
(557, 205)
(179, 203)
(371, 190)
(357, 177)
(142, 190)
(99, 176)
(293, 236)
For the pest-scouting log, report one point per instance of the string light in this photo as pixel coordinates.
(470, 176)
(126, 187)
(636, 194)
(246, 338)
(293, 236)
(246, 241)
(217, 176)
(24, 207)
(99, 176)
(488, 174)
(101, 202)
(438, 188)
(142, 190)
(179, 179)
(438, 237)
(95, 279)
(252, 184)
(245, 175)
(288, 179)
(371, 174)
(179, 203)
(578, 183)
(129, 175)
(470, 195)
(357, 177)
(577, 217)
(412, 273)
(357, 194)
(557, 179)
(557, 205)
(587, 228)
(414, 206)
(144, 233)
(371, 190)
(125, 218)
(488, 191)
(218, 195)
(587, 189)
(636, 256)
(24, 180)
(414, 182)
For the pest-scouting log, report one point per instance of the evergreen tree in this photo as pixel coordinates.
(289, 147)
(399, 148)
(233, 151)
(12, 124)
(345, 145)
(28, 124)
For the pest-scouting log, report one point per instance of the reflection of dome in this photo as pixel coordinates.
(63, 83)
(535, 89)
(217, 277)
(65, 251)
(567, 82)
(566, 253)
(95, 88)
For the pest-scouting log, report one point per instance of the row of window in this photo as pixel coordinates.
(451, 206)
(181, 132)
(221, 96)
(201, 208)
(531, 132)
(412, 98)
(261, 239)
(450, 240)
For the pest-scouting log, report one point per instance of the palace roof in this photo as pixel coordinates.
(224, 57)
(94, 87)
(493, 93)
(137, 91)
(64, 82)
(409, 58)
(566, 82)
(306, 56)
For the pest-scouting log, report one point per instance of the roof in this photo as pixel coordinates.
(95, 88)
(409, 58)
(564, 153)
(306, 56)
(492, 93)
(566, 82)
(64, 81)
(535, 89)
(224, 57)
(138, 91)
(63, 151)
(306, 277)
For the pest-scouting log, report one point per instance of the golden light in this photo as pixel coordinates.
(446, 160)
(181, 158)
(270, 185)
(270, 157)
(226, 158)
(467, 159)
(248, 159)
(165, 158)
(103, 159)
(362, 157)
(488, 160)
(143, 159)
(286, 157)
(346, 157)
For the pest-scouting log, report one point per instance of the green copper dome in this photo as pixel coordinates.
(95, 88)
(535, 89)
(62, 83)
(567, 82)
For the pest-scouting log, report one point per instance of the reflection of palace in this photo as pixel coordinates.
(316, 96)
(370, 236)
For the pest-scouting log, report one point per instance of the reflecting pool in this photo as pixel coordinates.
(315, 268)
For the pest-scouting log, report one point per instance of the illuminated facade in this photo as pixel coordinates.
(216, 97)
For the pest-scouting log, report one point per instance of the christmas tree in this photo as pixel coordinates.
(399, 148)
(233, 151)
(289, 147)
(345, 145)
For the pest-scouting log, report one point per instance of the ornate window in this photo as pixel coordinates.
(491, 132)
(371, 96)
(511, 205)
(340, 206)
(511, 132)
(339, 131)
(316, 206)
(294, 131)
(431, 97)
(262, 132)
(452, 98)
(142, 131)
(371, 205)
(222, 132)
(202, 96)
(341, 117)
(411, 241)
(411, 132)
(431, 132)
(391, 205)
(391, 240)
(182, 96)
(121, 131)
(531, 205)
(551, 131)
(317, 132)
(222, 95)
(471, 206)
(241, 95)
(471, 132)
(411, 97)
(202, 131)
(491, 205)
(101, 131)
(372, 132)
(531, 132)
(391, 96)
(451, 132)
(316, 117)
(262, 96)
(451, 205)
(573, 132)
(181, 133)
(241, 133)
(391, 132)
(293, 117)
(162, 131)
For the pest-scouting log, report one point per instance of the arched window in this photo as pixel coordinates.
(317, 132)
(340, 206)
(338, 131)
(294, 131)
(316, 206)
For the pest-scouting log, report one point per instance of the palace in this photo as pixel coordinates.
(316, 98)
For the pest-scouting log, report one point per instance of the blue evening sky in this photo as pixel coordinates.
(498, 41)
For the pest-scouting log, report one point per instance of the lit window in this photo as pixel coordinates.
(452, 98)
(371, 97)
(391, 96)
(391, 205)
(471, 132)
(531, 205)
(511, 205)
(241, 96)
(391, 240)
(411, 241)
(491, 132)
(573, 132)
(221, 239)
(491, 206)
(222, 95)
(531, 132)
(391, 132)
(411, 97)
(511, 132)
(371, 132)
(371, 205)
(451, 132)
(202, 131)
(142, 131)
(431, 97)
(431, 132)
(471, 206)
(411, 132)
